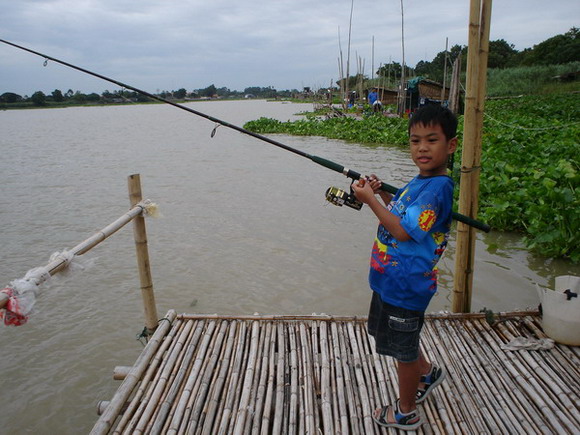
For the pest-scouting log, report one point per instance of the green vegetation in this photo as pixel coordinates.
(531, 171)
(526, 80)
(530, 166)
(372, 129)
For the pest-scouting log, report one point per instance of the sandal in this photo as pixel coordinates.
(431, 380)
(409, 421)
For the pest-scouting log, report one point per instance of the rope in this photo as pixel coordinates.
(465, 170)
(143, 336)
(554, 127)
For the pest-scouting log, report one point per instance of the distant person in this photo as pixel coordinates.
(374, 101)
(351, 99)
(412, 235)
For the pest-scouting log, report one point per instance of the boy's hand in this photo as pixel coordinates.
(375, 183)
(363, 191)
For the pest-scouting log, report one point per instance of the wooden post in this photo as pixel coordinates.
(445, 74)
(140, 235)
(478, 47)
(455, 84)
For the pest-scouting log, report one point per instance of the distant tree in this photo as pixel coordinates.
(10, 97)
(253, 90)
(94, 97)
(269, 92)
(556, 50)
(392, 70)
(79, 97)
(180, 94)
(210, 91)
(422, 68)
(142, 98)
(69, 93)
(500, 54)
(223, 91)
(57, 96)
(38, 98)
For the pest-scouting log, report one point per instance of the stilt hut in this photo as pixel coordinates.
(422, 91)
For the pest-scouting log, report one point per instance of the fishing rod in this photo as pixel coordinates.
(334, 195)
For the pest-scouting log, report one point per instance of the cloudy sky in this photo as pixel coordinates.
(288, 44)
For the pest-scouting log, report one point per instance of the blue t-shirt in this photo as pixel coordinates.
(404, 274)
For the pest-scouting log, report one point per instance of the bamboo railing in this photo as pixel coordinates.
(136, 214)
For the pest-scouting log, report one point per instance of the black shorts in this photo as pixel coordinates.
(396, 330)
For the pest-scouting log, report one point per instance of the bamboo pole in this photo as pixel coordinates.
(61, 261)
(140, 234)
(248, 378)
(175, 383)
(256, 392)
(347, 364)
(106, 420)
(203, 392)
(121, 372)
(308, 387)
(219, 382)
(139, 394)
(325, 389)
(193, 348)
(402, 91)
(479, 18)
(337, 349)
(455, 82)
(162, 380)
(445, 72)
(228, 413)
(261, 391)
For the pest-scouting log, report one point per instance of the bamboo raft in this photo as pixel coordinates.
(320, 374)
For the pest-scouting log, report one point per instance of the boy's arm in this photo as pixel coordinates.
(364, 193)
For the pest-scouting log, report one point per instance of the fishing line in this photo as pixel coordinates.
(347, 199)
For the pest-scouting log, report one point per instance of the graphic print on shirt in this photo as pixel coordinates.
(426, 219)
(379, 255)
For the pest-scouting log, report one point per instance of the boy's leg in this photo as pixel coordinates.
(409, 375)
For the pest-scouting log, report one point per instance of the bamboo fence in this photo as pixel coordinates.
(207, 374)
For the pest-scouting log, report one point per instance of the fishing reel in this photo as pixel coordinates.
(339, 197)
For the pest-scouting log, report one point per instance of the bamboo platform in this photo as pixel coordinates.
(320, 374)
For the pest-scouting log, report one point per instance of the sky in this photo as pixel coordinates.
(164, 45)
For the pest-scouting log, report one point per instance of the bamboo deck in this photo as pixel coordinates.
(320, 374)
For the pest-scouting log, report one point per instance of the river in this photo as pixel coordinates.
(244, 228)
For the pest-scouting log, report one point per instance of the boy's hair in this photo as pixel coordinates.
(434, 114)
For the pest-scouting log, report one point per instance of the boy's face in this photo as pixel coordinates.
(430, 149)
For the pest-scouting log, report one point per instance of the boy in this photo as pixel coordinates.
(412, 235)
